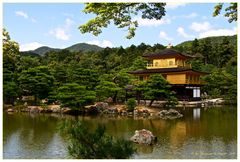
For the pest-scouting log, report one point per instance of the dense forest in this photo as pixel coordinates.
(80, 77)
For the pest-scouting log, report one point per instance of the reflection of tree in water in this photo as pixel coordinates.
(216, 127)
(214, 122)
(144, 149)
(35, 132)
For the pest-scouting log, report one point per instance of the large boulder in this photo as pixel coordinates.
(66, 110)
(112, 110)
(54, 108)
(10, 110)
(34, 109)
(102, 106)
(143, 137)
(170, 114)
(99, 107)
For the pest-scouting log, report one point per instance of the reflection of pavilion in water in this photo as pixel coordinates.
(177, 130)
(185, 128)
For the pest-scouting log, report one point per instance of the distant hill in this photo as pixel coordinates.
(84, 47)
(214, 40)
(43, 50)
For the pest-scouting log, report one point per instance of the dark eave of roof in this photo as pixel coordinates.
(167, 53)
(164, 70)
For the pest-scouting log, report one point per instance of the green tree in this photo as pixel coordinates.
(74, 96)
(226, 52)
(106, 89)
(10, 92)
(85, 77)
(222, 83)
(121, 14)
(230, 11)
(155, 88)
(195, 47)
(131, 104)
(36, 81)
(205, 49)
(60, 74)
(96, 144)
(29, 62)
(138, 63)
(11, 57)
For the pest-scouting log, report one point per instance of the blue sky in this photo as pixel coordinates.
(56, 25)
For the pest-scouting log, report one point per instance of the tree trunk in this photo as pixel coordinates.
(115, 97)
(151, 103)
(138, 98)
(35, 100)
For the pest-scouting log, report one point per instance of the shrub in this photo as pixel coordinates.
(95, 145)
(131, 104)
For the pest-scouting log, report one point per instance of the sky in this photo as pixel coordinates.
(33, 25)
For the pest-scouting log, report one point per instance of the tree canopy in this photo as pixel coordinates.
(86, 144)
(230, 11)
(74, 96)
(103, 74)
(121, 14)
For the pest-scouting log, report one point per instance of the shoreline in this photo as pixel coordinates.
(114, 109)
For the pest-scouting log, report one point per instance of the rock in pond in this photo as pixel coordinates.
(10, 110)
(143, 137)
(170, 114)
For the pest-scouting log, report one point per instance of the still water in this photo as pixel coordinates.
(201, 133)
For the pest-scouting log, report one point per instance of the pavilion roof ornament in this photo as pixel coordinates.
(169, 45)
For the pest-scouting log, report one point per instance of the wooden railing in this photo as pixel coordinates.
(194, 81)
(159, 66)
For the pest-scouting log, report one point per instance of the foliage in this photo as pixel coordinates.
(29, 62)
(84, 47)
(138, 64)
(104, 73)
(10, 68)
(36, 81)
(95, 145)
(106, 89)
(121, 15)
(131, 104)
(221, 82)
(74, 96)
(155, 88)
(85, 77)
(230, 11)
(10, 92)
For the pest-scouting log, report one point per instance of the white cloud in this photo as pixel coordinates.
(182, 33)
(204, 17)
(30, 46)
(33, 20)
(62, 33)
(152, 22)
(192, 15)
(25, 16)
(204, 26)
(68, 14)
(104, 43)
(171, 5)
(68, 23)
(22, 14)
(187, 16)
(218, 32)
(164, 35)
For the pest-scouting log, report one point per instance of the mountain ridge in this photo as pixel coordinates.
(84, 47)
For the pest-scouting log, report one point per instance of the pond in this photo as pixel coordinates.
(203, 133)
